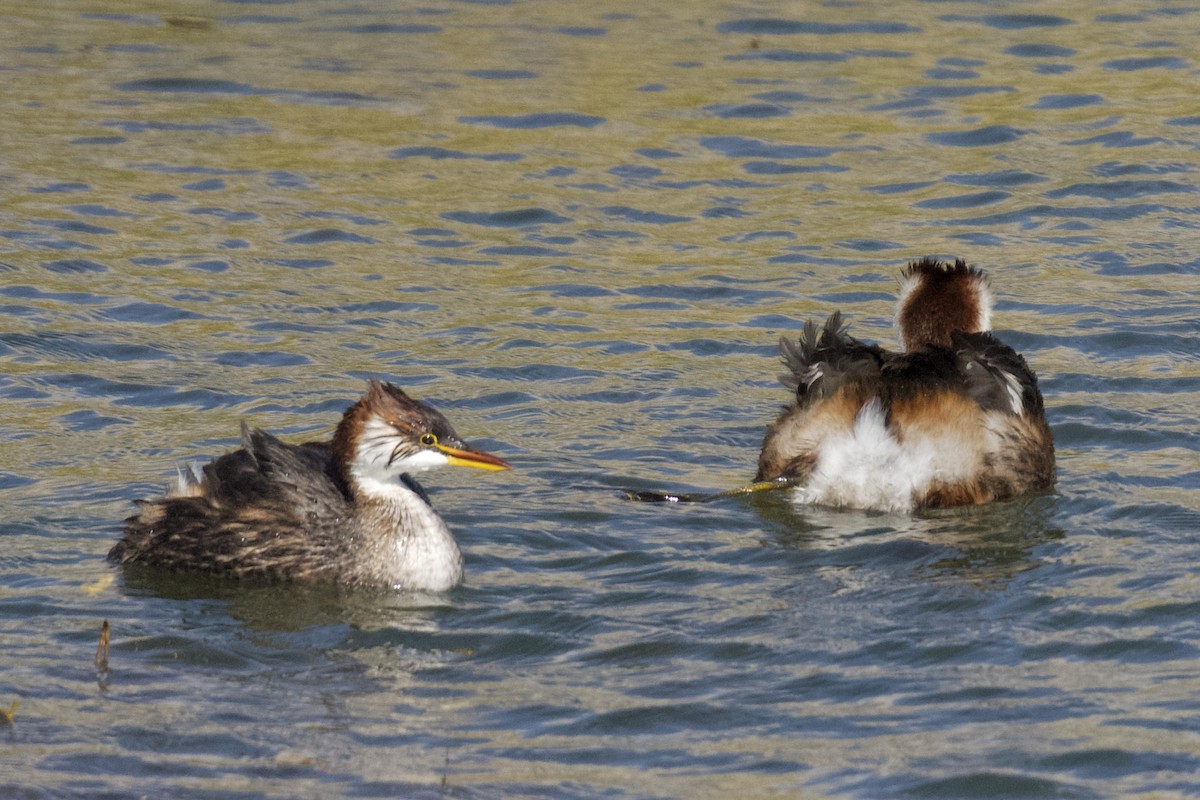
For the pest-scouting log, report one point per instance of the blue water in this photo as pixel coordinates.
(580, 232)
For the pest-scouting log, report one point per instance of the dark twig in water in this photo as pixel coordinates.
(102, 648)
(101, 660)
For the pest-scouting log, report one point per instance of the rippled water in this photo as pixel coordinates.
(579, 230)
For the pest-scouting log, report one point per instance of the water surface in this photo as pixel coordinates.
(580, 231)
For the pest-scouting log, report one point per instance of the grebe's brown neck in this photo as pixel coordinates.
(938, 300)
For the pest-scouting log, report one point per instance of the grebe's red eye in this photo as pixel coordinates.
(429, 439)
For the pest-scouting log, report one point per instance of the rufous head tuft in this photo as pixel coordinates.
(938, 299)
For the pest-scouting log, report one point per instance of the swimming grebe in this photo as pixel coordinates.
(344, 511)
(955, 419)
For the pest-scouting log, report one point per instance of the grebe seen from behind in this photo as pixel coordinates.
(956, 418)
(346, 510)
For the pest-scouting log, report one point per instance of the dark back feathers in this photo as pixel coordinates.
(825, 359)
(266, 468)
(996, 375)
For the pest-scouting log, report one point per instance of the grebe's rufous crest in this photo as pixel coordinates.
(954, 419)
(344, 510)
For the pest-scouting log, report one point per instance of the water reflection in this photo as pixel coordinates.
(983, 545)
(289, 607)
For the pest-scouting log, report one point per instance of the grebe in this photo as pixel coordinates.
(955, 419)
(344, 511)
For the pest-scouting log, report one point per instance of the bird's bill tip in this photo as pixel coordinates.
(473, 458)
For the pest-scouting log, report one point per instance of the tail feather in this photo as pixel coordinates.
(797, 356)
(189, 480)
(825, 359)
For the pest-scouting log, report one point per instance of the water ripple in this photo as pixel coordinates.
(987, 136)
(516, 218)
(775, 26)
(534, 121)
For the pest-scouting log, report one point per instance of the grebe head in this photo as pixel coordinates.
(940, 299)
(387, 433)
